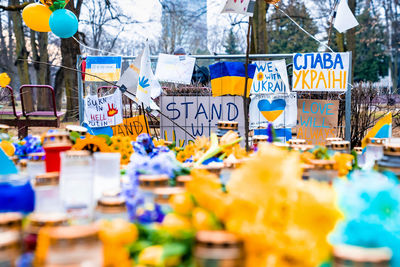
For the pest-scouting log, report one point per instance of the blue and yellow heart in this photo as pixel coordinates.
(271, 110)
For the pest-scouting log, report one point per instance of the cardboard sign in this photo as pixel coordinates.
(198, 116)
(321, 72)
(270, 78)
(317, 120)
(244, 7)
(278, 109)
(175, 69)
(131, 127)
(107, 68)
(103, 111)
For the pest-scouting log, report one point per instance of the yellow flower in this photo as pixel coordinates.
(160, 142)
(260, 76)
(343, 163)
(4, 79)
(154, 256)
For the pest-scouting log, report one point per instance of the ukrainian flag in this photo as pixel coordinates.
(107, 68)
(228, 78)
(382, 129)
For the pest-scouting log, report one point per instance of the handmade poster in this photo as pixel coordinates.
(321, 72)
(175, 69)
(229, 78)
(103, 111)
(198, 116)
(244, 7)
(317, 120)
(131, 127)
(107, 68)
(270, 78)
(278, 109)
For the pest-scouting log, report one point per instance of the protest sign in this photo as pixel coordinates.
(198, 116)
(270, 78)
(131, 127)
(321, 71)
(103, 111)
(107, 68)
(317, 120)
(175, 69)
(278, 109)
(244, 7)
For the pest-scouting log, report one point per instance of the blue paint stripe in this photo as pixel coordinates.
(223, 69)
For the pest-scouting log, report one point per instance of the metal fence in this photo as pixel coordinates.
(206, 60)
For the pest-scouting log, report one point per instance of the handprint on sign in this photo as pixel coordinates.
(112, 111)
(143, 83)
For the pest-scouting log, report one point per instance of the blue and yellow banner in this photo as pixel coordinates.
(228, 78)
(107, 68)
(382, 129)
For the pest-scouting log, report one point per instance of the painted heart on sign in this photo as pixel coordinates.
(271, 110)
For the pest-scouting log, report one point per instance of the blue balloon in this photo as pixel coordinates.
(63, 23)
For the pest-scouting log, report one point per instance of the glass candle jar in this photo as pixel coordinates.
(77, 245)
(182, 180)
(351, 256)
(373, 151)
(340, 146)
(47, 193)
(111, 207)
(76, 185)
(36, 221)
(146, 211)
(36, 164)
(219, 249)
(360, 156)
(391, 159)
(16, 194)
(10, 248)
(54, 144)
(10, 221)
(297, 142)
(214, 167)
(328, 141)
(162, 196)
(106, 172)
(323, 171)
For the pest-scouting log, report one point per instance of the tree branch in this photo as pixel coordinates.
(14, 7)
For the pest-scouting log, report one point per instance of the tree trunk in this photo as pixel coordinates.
(351, 38)
(340, 42)
(70, 49)
(42, 74)
(259, 43)
(59, 87)
(21, 53)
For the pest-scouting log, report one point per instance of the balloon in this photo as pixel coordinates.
(4, 79)
(36, 17)
(63, 23)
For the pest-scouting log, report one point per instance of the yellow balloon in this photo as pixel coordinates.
(36, 17)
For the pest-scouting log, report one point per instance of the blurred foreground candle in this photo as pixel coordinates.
(76, 185)
(106, 172)
(323, 170)
(341, 146)
(10, 221)
(351, 256)
(218, 249)
(54, 144)
(36, 164)
(373, 151)
(77, 245)
(163, 195)
(35, 222)
(47, 193)
(391, 159)
(360, 156)
(10, 248)
(16, 194)
(111, 207)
